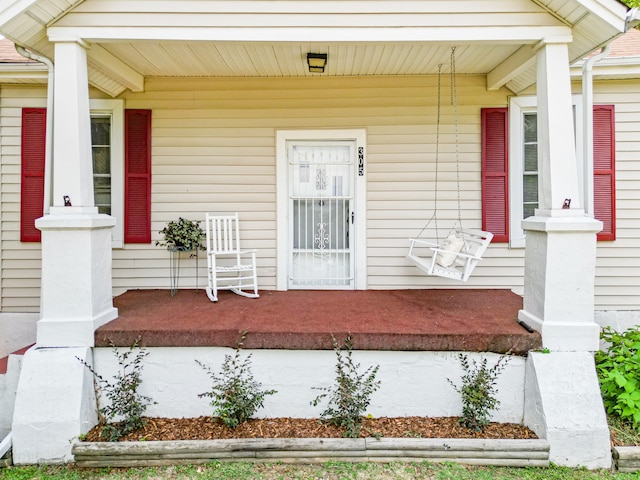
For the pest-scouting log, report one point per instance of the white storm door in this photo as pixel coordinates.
(321, 214)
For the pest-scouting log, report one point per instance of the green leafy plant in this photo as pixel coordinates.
(235, 396)
(478, 391)
(350, 396)
(618, 370)
(125, 402)
(184, 234)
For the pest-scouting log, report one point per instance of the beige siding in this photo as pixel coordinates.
(618, 262)
(19, 262)
(214, 151)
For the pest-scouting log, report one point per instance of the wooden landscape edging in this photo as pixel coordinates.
(627, 459)
(498, 452)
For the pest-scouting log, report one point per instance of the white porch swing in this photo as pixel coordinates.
(455, 256)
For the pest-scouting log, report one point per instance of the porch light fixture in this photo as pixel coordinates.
(317, 62)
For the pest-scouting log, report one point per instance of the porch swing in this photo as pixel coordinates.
(456, 255)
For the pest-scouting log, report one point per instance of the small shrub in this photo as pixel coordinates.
(351, 395)
(478, 391)
(618, 369)
(235, 395)
(125, 402)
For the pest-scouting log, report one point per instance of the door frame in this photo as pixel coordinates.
(359, 136)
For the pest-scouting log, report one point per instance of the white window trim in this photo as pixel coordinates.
(115, 109)
(517, 107)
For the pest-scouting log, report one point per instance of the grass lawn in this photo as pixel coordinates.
(329, 470)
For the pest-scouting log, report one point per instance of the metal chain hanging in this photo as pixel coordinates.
(454, 102)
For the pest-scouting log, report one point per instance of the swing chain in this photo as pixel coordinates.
(454, 101)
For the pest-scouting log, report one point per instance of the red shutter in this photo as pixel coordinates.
(33, 148)
(495, 179)
(137, 185)
(604, 167)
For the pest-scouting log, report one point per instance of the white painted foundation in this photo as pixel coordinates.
(619, 320)
(8, 387)
(564, 405)
(17, 330)
(412, 383)
(55, 403)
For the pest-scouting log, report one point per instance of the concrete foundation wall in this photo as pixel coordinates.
(17, 330)
(412, 383)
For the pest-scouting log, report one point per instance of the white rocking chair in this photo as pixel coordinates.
(453, 258)
(226, 270)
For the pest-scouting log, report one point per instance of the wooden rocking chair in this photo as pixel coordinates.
(228, 267)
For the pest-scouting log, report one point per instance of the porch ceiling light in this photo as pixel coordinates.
(317, 62)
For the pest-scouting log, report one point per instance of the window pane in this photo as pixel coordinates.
(101, 153)
(101, 160)
(530, 170)
(100, 130)
(531, 158)
(530, 183)
(529, 210)
(530, 128)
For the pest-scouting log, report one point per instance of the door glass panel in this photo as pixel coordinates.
(320, 205)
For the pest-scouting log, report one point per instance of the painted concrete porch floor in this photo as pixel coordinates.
(451, 320)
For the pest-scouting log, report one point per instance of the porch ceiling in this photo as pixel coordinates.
(134, 39)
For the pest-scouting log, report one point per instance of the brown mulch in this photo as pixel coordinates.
(206, 428)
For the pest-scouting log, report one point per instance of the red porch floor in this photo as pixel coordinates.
(471, 320)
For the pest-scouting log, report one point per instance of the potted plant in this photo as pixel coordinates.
(183, 234)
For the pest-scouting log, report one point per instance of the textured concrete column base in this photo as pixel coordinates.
(563, 405)
(55, 403)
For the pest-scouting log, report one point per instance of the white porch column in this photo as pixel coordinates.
(76, 240)
(562, 395)
(561, 242)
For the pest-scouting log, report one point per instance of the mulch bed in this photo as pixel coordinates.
(206, 428)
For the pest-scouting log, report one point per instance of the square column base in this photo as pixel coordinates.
(559, 281)
(76, 293)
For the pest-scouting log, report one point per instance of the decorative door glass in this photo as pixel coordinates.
(321, 196)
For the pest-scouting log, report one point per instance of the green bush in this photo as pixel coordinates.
(125, 402)
(183, 233)
(351, 394)
(478, 391)
(235, 395)
(618, 370)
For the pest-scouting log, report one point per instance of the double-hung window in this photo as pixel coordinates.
(121, 159)
(107, 151)
(510, 151)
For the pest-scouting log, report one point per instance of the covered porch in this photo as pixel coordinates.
(477, 320)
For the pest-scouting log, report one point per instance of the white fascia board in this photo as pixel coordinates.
(115, 68)
(623, 67)
(611, 11)
(493, 34)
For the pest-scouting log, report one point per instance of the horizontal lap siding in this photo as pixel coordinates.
(618, 262)
(20, 263)
(214, 150)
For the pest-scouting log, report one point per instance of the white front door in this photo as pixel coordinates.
(320, 213)
(320, 249)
